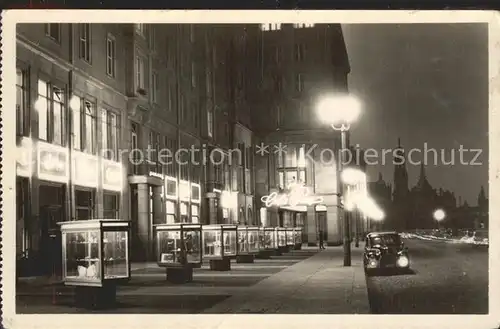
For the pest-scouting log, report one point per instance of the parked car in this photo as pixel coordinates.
(385, 250)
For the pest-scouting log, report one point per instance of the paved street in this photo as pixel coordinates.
(148, 292)
(448, 278)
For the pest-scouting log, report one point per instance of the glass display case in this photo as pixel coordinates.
(290, 236)
(242, 240)
(281, 236)
(95, 251)
(253, 240)
(178, 244)
(268, 240)
(219, 241)
(298, 237)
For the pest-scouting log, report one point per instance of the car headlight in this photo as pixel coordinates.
(403, 261)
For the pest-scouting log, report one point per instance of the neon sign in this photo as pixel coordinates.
(298, 195)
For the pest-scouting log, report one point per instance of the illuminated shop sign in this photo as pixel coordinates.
(155, 174)
(112, 176)
(85, 168)
(297, 195)
(23, 158)
(53, 163)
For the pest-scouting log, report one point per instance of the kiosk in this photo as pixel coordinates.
(248, 244)
(220, 245)
(95, 256)
(178, 249)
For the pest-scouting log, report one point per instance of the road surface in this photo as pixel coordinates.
(445, 279)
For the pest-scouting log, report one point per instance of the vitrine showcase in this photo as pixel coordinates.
(281, 236)
(219, 241)
(253, 239)
(290, 236)
(298, 237)
(242, 232)
(95, 252)
(268, 238)
(178, 244)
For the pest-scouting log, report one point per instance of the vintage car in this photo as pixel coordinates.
(385, 250)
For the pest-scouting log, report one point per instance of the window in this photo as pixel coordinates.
(84, 204)
(170, 163)
(84, 126)
(170, 210)
(299, 52)
(134, 133)
(154, 149)
(195, 214)
(278, 115)
(152, 38)
(139, 71)
(51, 113)
(22, 113)
(110, 133)
(110, 56)
(270, 27)
(278, 84)
(111, 205)
(181, 108)
(53, 31)
(299, 84)
(303, 25)
(139, 29)
(170, 97)
(85, 44)
(193, 74)
(210, 122)
(191, 33)
(154, 87)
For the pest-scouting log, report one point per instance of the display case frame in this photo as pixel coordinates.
(274, 238)
(222, 228)
(181, 228)
(101, 227)
(253, 236)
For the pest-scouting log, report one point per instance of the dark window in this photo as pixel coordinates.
(84, 126)
(109, 134)
(84, 204)
(111, 205)
(386, 239)
(110, 56)
(84, 31)
(22, 112)
(53, 31)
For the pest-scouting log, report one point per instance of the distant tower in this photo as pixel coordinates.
(400, 191)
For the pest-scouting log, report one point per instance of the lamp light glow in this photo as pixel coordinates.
(335, 109)
(439, 215)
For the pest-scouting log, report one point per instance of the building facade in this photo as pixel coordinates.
(298, 64)
(157, 124)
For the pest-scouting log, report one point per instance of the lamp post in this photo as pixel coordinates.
(340, 111)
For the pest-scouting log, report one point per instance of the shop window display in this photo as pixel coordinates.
(268, 238)
(290, 236)
(281, 235)
(219, 241)
(95, 251)
(178, 244)
(253, 240)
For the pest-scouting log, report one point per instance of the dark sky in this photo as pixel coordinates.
(425, 83)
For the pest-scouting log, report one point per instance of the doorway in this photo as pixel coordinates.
(52, 211)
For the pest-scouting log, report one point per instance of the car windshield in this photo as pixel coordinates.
(386, 240)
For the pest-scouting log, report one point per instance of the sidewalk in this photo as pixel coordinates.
(319, 284)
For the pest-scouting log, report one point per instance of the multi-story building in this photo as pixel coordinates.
(298, 64)
(157, 124)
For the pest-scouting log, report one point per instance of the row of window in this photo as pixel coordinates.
(277, 26)
(53, 30)
(299, 83)
(51, 106)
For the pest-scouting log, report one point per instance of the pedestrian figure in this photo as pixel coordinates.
(321, 237)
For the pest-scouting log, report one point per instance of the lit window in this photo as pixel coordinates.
(193, 74)
(85, 44)
(110, 56)
(84, 126)
(270, 27)
(110, 132)
(51, 113)
(299, 83)
(210, 123)
(303, 25)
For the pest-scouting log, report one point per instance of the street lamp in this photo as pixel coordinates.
(339, 111)
(439, 215)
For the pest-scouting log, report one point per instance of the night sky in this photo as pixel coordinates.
(424, 83)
